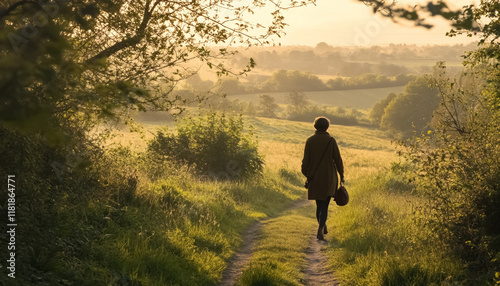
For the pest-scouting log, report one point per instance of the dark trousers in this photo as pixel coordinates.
(322, 211)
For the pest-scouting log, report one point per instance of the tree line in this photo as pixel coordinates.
(289, 81)
(325, 59)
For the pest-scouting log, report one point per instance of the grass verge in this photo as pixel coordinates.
(182, 231)
(379, 240)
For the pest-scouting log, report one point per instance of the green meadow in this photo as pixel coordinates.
(154, 222)
(374, 240)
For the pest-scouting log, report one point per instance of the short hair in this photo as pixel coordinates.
(321, 123)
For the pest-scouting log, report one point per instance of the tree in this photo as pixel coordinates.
(418, 13)
(323, 47)
(285, 80)
(230, 86)
(267, 106)
(336, 83)
(412, 110)
(297, 102)
(250, 109)
(74, 60)
(378, 109)
(457, 165)
(457, 168)
(196, 84)
(68, 65)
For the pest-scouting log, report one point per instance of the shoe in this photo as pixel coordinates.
(324, 230)
(320, 234)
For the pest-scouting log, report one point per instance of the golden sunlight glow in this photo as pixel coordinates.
(350, 22)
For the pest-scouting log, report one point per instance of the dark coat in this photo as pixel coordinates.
(325, 180)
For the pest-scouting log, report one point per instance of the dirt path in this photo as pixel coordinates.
(317, 270)
(241, 258)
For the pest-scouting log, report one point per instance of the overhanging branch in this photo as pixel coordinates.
(129, 42)
(14, 6)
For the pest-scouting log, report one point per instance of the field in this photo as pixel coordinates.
(282, 142)
(357, 98)
(157, 222)
(366, 153)
(178, 228)
(367, 236)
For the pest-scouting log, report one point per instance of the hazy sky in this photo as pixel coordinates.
(350, 22)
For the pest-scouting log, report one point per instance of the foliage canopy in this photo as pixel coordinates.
(412, 110)
(70, 63)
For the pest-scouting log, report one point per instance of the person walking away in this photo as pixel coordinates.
(320, 164)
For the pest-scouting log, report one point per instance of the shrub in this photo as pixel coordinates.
(51, 182)
(457, 166)
(214, 144)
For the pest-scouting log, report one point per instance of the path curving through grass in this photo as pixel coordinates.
(281, 251)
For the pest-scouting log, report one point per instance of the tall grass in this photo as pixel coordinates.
(133, 220)
(181, 230)
(380, 240)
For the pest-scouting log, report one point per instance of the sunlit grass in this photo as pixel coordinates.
(380, 242)
(198, 224)
(376, 239)
(279, 255)
(182, 230)
(364, 151)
